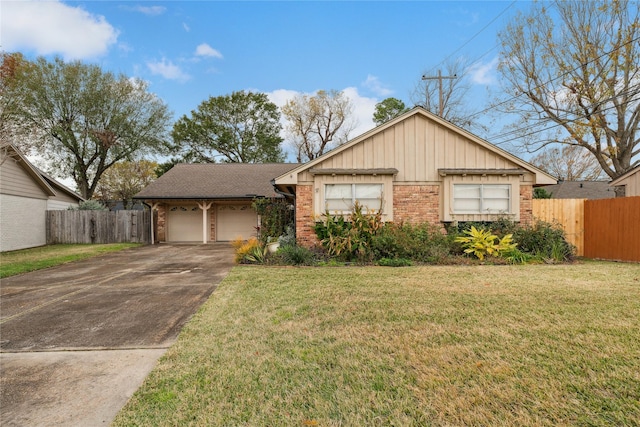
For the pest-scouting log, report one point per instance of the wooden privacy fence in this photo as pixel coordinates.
(98, 227)
(605, 228)
(569, 213)
(612, 229)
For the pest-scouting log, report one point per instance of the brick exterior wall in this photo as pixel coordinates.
(416, 204)
(305, 235)
(526, 204)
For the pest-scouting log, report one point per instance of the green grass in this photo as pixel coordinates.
(25, 260)
(529, 345)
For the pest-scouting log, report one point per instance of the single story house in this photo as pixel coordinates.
(630, 181)
(26, 193)
(415, 168)
(591, 190)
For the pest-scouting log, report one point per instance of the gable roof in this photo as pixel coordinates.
(580, 190)
(621, 178)
(216, 181)
(541, 176)
(59, 187)
(30, 169)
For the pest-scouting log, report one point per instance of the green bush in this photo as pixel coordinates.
(422, 242)
(350, 239)
(295, 255)
(276, 215)
(483, 242)
(90, 205)
(544, 240)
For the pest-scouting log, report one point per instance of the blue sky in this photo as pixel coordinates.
(191, 50)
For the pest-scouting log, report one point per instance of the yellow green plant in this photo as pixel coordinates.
(483, 242)
(245, 248)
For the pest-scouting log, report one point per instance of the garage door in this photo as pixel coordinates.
(184, 224)
(235, 221)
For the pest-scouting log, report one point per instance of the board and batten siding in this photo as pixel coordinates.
(632, 185)
(417, 147)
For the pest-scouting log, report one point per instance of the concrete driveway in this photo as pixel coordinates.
(77, 340)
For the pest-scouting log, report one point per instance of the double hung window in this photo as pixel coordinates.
(340, 198)
(481, 198)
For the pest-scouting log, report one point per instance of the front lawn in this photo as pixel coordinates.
(477, 345)
(25, 260)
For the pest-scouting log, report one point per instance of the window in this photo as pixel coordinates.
(481, 198)
(340, 198)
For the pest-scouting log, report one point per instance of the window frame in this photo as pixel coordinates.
(482, 199)
(353, 185)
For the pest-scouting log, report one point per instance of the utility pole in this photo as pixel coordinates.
(439, 77)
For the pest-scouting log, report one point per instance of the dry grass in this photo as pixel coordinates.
(442, 346)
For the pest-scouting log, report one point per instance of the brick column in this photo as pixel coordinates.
(305, 235)
(526, 204)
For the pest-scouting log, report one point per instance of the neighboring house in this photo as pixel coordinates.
(210, 202)
(26, 194)
(580, 190)
(416, 168)
(630, 181)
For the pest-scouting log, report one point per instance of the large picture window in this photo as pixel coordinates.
(481, 198)
(340, 198)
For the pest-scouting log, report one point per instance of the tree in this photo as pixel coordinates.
(574, 69)
(86, 120)
(569, 163)
(388, 109)
(319, 122)
(124, 180)
(243, 127)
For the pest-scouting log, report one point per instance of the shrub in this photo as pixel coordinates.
(295, 255)
(249, 251)
(483, 242)
(276, 215)
(544, 240)
(349, 239)
(422, 242)
(90, 205)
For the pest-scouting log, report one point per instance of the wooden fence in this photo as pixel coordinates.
(98, 227)
(569, 213)
(612, 229)
(606, 228)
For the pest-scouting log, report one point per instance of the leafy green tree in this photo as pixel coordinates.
(388, 109)
(85, 120)
(573, 68)
(124, 180)
(319, 122)
(243, 127)
(164, 167)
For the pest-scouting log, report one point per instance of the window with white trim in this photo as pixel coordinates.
(340, 198)
(481, 198)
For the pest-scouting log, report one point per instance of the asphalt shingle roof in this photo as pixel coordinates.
(581, 190)
(216, 181)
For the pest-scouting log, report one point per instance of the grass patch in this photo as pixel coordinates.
(418, 346)
(25, 260)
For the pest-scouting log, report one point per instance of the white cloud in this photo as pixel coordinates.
(373, 84)
(206, 50)
(186, 27)
(168, 70)
(148, 10)
(484, 74)
(51, 27)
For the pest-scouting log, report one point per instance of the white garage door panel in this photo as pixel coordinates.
(184, 224)
(235, 221)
